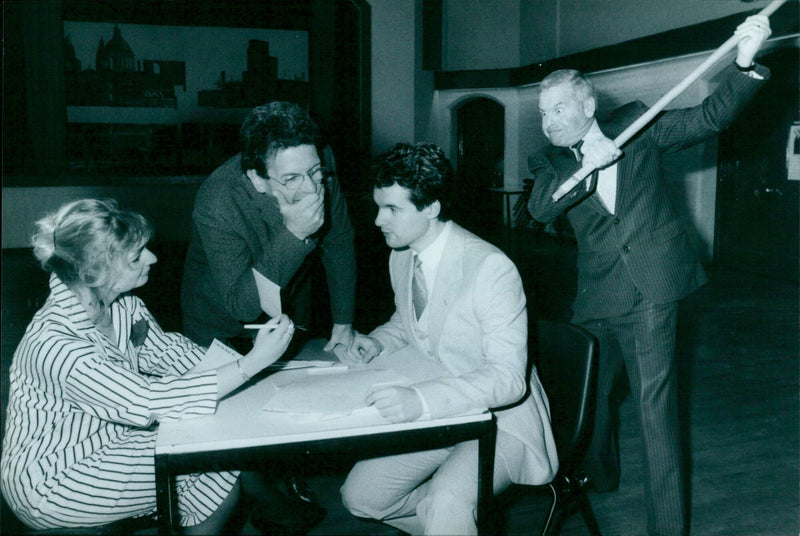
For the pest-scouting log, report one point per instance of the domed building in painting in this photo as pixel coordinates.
(116, 55)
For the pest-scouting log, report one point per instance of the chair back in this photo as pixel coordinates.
(567, 366)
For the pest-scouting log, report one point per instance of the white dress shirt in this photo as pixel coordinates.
(606, 177)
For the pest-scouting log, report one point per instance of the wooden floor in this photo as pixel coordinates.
(738, 356)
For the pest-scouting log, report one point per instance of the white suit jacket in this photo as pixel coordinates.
(478, 330)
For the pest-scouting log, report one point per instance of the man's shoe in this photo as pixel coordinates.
(298, 489)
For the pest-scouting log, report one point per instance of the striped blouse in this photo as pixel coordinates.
(80, 430)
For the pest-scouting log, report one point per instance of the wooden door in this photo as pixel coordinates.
(757, 207)
(481, 140)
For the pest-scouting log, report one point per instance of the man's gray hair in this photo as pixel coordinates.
(580, 84)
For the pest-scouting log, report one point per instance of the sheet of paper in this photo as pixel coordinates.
(269, 295)
(331, 395)
(217, 355)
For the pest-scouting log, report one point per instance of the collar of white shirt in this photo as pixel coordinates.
(431, 257)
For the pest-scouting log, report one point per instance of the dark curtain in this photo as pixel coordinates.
(43, 40)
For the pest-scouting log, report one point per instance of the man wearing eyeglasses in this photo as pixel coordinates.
(273, 207)
(276, 207)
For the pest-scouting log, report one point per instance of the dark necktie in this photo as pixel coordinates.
(419, 292)
(576, 150)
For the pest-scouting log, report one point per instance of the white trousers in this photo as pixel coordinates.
(427, 492)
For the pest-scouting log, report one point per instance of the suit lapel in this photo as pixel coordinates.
(593, 199)
(448, 282)
(566, 164)
(564, 160)
(611, 127)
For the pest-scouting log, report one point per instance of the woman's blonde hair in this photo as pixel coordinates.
(84, 241)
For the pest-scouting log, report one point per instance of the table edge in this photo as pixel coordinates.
(187, 448)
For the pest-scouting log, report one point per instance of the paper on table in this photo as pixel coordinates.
(217, 355)
(332, 395)
(308, 364)
(269, 294)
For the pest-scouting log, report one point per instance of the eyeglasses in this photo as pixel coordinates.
(293, 182)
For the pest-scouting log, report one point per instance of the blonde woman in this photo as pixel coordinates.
(94, 373)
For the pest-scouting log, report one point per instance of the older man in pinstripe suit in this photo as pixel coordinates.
(634, 257)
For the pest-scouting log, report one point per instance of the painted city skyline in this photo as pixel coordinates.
(193, 60)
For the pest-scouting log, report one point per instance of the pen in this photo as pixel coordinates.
(259, 326)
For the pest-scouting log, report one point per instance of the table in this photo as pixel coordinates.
(507, 193)
(239, 435)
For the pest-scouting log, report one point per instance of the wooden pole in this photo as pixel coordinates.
(662, 103)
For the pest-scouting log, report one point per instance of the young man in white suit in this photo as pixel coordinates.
(472, 320)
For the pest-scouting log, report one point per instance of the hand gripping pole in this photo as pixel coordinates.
(645, 118)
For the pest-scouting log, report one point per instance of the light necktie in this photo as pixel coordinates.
(419, 291)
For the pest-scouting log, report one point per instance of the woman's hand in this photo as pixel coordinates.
(271, 342)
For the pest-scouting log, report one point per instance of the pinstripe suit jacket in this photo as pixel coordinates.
(478, 331)
(644, 246)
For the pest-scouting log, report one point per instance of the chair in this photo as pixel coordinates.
(566, 361)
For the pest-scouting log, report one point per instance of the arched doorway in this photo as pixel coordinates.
(480, 131)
